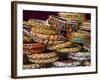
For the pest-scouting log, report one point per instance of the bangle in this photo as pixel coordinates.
(54, 42)
(67, 64)
(69, 49)
(38, 23)
(79, 37)
(33, 46)
(31, 66)
(41, 38)
(80, 56)
(44, 61)
(32, 51)
(43, 31)
(58, 46)
(42, 55)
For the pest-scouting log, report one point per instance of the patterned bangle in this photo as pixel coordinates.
(44, 61)
(33, 46)
(32, 51)
(42, 55)
(69, 49)
(43, 31)
(67, 64)
(45, 38)
(31, 66)
(58, 46)
(54, 42)
(79, 37)
(80, 56)
(37, 22)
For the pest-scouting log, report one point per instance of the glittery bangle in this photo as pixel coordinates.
(58, 46)
(31, 66)
(43, 31)
(79, 37)
(69, 49)
(42, 55)
(41, 38)
(80, 56)
(33, 46)
(32, 51)
(43, 61)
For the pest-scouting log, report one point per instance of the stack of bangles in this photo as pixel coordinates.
(66, 47)
(32, 66)
(43, 58)
(80, 56)
(33, 48)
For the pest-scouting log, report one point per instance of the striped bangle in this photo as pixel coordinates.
(58, 46)
(44, 61)
(42, 55)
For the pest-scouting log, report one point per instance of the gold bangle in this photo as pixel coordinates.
(54, 42)
(43, 31)
(69, 50)
(42, 55)
(58, 46)
(44, 61)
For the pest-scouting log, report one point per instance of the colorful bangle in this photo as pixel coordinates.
(44, 61)
(32, 51)
(79, 37)
(42, 55)
(33, 46)
(45, 38)
(58, 46)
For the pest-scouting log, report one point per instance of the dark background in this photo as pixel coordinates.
(42, 15)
